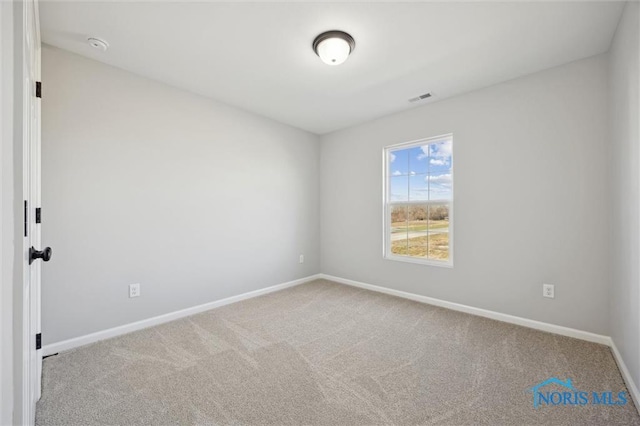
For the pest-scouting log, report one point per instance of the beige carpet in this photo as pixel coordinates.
(324, 353)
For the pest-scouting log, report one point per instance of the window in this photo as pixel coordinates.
(418, 201)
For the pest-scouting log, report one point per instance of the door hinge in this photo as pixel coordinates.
(38, 341)
(38, 89)
(38, 214)
(26, 213)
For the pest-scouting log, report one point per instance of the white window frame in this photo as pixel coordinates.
(387, 204)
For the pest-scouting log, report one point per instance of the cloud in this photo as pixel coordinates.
(392, 157)
(439, 152)
(425, 152)
(412, 173)
(443, 190)
(397, 173)
(443, 179)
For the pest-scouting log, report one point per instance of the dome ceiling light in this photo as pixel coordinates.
(334, 47)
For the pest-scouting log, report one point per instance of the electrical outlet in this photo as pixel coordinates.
(302, 258)
(134, 290)
(548, 290)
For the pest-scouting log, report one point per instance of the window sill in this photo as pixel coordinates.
(426, 262)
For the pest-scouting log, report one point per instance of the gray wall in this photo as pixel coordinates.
(530, 159)
(144, 183)
(625, 212)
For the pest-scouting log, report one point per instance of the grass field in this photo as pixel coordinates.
(418, 225)
(435, 246)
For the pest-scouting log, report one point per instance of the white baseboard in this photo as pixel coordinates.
(138, 325)
(626, 375)
(538, 325)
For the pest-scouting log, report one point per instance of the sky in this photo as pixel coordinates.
(421, 173)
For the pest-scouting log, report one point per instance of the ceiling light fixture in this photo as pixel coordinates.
(334, 47)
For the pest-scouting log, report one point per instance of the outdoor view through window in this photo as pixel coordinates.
(418, 201)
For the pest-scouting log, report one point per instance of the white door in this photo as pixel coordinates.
(34, 254)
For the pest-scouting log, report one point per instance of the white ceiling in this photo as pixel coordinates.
(258, 56)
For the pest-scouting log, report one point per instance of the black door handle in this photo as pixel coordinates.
(34, 254)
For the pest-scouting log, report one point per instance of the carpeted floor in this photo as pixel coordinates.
(325, 353)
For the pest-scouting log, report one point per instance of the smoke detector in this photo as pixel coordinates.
(98, 43)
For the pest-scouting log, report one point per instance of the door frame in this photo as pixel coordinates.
(6, 211)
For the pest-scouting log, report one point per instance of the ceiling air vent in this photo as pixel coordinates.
(421, 97)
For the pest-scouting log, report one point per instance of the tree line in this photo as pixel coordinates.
(415, 213)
